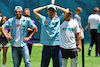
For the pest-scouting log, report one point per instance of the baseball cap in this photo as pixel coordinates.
(51, 6)
(18, 8)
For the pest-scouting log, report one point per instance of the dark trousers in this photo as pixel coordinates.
(94, 39)
(55, 53)
(29, 48)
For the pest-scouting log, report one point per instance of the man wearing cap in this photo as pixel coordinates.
(50, 34)
(18, 27)
(93, 21)
(30, 42)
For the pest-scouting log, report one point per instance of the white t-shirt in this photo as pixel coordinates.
(18, 31)
(94, 19)
(68, 30)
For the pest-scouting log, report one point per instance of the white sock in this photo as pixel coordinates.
(3, 65)
(74, 62)
(64, 62)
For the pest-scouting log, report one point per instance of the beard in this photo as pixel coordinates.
(26, 15)
(18, 16)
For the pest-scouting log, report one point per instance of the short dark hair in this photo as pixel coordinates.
(0, 11)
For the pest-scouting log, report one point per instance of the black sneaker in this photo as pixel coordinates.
(97, 55)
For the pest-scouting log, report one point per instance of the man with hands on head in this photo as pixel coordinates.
(18, 26)
(50, 34)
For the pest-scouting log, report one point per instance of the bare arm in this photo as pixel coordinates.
(28, 38)
(37, 10)
(63, 10)
(78, 35)
(7, 35)
(82, 28)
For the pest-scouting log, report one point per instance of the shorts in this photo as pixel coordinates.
(3, 43)
(66, 53)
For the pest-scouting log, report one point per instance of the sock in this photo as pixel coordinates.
(74, 62)
(90, 48)
(64, 62)
(3, 65)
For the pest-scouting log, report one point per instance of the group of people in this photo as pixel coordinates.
(58, 35)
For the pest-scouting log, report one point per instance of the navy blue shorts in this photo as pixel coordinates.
(66, 53)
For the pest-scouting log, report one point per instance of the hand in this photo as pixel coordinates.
(9, 38)
(79, 48)
(82, 29)
(26, 39)
(90, 33)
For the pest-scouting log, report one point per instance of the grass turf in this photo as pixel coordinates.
(90, 61)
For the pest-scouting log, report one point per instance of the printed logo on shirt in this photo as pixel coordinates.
(55, 19)
(46, 22)
(18, 25)
(23, 22)
(12, 27)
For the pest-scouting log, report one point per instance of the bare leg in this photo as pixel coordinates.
(64, 62)
(4, 54)
(74, 62)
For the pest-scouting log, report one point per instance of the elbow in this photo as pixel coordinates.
(34, 11)
(36, 30)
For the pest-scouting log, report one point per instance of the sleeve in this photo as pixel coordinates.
(41, 18)
(61, 19)
(77, 30)
(89, 19)
(31, 24)
(76, 18)
(98, 30)
(6, 25)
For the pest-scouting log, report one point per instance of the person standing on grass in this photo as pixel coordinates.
(30, 42)
(68, 47)
(3, 40)
(50, 34)
(18, 26)
(78, 19)
(93, 21)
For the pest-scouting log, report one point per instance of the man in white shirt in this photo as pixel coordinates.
(93, 21)
(68, 47)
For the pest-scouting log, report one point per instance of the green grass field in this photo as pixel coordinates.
(90, 61)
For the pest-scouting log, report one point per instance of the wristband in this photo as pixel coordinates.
(30, 37)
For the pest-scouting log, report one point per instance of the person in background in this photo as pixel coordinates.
(0, 17)
(3, 40)
(93, 21)
(30, 42)
(78, 19)
(68, 47)
(18, 26)
(50, 34)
